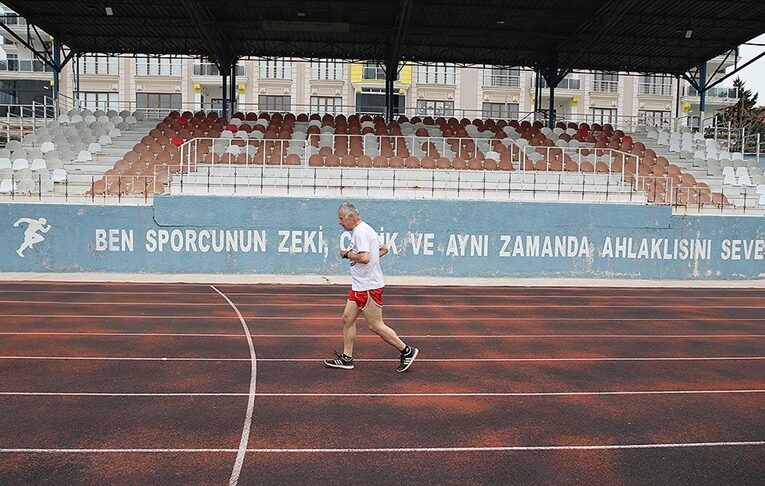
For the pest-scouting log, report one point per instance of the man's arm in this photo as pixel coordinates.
(360, 257)
(383, 250)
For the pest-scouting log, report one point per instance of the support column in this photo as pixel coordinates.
(391, 70)
(702, 93)
(77, 77)
(551, 115)
(233, 88)
(57, 67)
(224, 90)
(676, 126)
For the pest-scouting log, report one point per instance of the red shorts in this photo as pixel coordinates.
(361, 297)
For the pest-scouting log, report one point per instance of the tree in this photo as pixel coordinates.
(745, 114)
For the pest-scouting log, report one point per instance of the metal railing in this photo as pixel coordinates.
(25, 65)
(241, 180)
(600, 86)
(12, 19)
(574, 84)
(502, 80)
(16, 121)
(655, 89)
(210, 69)
(723, 92)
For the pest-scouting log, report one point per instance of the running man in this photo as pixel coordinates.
(366, 291)
(30, 234)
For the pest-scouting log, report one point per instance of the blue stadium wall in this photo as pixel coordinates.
(192, 234)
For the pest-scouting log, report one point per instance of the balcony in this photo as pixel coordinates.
(210, 69)
(571, 84)
(721, 92)
(24, 66)
(502, 80)
(12, 19)
(655, 89)
(599, 86)
(374, 73)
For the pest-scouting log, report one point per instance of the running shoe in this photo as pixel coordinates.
(340, 361)
(407, 360)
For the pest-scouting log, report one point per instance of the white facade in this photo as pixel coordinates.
(165, 83)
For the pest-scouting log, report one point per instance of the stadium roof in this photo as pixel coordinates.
(660, 36)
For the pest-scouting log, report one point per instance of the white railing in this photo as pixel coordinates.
(655, 89)
(600, 86)
(20, 120)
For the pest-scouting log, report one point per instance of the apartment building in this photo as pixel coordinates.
(333, 86)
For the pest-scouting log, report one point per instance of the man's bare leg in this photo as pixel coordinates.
(373, 315)
(350, 315)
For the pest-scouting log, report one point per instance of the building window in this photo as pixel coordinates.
(603, 82)
(13, 63)
(602, 115)
(159, 102)
(94, 64)
(326, 104)
(373, 70)
(504, 77)
(273, 103)
(372, 100)
(100, 101)
(158, 66)
(654, 118)
(275, 69)
(655, 85)
(569, 82)
(502, 111)
(12, 18)
(327, 70)
(435, 74)
(210, 69)
(435, 108)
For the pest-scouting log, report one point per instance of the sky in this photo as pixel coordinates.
(754, 74)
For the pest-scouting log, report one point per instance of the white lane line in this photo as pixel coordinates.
(542, 305)
(237, 469)
(390, 395)
(104, 302)
(368, 336)
(407, 319)
(434, 360)
(514, 295)
(393, 450)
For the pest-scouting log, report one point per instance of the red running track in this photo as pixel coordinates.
(156, 384)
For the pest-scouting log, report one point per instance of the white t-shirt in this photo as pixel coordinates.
(366, 276)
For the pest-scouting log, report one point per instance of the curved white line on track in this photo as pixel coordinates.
(391, 395)
(250, 397)
(391, 450)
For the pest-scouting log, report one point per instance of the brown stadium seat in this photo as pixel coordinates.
(364, 161)
(443, 163)
(459, 163)
(475, 164)
(412, 163)
(396, 162)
